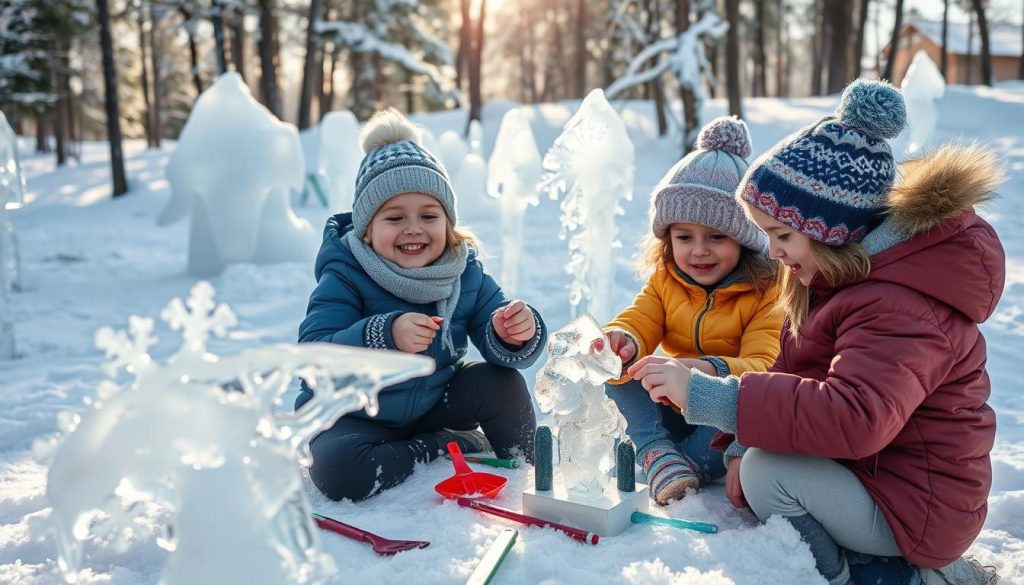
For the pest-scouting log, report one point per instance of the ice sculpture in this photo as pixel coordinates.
(338, 158)
(12, 196)
(922, 86)
(591, 166)
(571, 387)
(231, 154)
(202, 448)
(513, 173)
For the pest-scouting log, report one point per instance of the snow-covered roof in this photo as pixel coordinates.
(1004, 37)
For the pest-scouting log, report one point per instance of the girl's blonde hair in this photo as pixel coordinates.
(838, 265)
(757, 268)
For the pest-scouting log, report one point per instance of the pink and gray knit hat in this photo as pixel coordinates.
(701, 188)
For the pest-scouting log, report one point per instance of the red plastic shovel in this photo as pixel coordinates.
(467, 482)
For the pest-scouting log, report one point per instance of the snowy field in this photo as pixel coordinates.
(88, 261)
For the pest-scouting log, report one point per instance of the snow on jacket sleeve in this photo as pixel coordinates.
(886, 362)
(335, 314)
(489, 299)
(644, 320)
(759, 344)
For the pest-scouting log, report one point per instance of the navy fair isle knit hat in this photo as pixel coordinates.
(830, 181)
(701, 187)
(395, 163)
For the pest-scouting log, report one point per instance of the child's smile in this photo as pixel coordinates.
(410, 230)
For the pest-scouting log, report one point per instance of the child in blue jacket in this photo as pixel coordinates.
(397, 274)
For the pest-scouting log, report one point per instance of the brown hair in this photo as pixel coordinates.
(838, 265)
(757, 268)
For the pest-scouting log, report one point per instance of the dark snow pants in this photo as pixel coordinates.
(358, 458)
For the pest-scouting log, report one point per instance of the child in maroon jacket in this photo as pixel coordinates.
(871, 433)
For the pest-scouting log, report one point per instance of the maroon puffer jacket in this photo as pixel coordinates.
(888, 376)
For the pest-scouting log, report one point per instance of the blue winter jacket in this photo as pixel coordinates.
(349, 308)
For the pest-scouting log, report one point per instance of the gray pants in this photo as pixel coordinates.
(824, 502)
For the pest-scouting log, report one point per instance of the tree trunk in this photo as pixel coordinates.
(732, 57)
(59, 122)
(465, 40)
(110, 97)
(331, 87)
(969, 60)
(193, 49)
(894, 42)
(840, 17)
(581, 48)
(309, 65)
(154, 57)
(691, 117)
(657, 90)
(818, 47)
(944, 58)
(862, 27)
(42, 134)
(530, 56)
(147, 119)
(238, 44)
(781, 57)
(986, 51)
(217, 18)
(760, 88)
(476, 54)
(268, 58)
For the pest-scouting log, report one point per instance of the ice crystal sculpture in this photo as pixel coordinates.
(201, 453)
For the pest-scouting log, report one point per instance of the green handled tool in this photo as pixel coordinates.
(641, 518)
(506, 463)
(496, 553)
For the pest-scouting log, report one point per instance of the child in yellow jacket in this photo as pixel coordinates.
(710, 302)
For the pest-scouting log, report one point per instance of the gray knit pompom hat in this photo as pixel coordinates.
(701, 188)
(395, 163)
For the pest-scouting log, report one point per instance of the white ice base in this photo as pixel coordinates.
(607, 514)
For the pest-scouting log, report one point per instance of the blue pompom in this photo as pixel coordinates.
(876, 107)
(727, 133)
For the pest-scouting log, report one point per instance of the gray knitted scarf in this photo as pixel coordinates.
(440, 282)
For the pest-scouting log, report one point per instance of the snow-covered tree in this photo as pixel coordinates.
(398, 32)
(682, 56)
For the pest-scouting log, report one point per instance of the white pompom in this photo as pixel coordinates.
(387, 127)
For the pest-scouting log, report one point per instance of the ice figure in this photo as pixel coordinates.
(12, 196)
(591, 166)
(338, 158)
(231, 154)
(470, 183)
(476, 138)
(921, 86)
(452, 150)
(202, 448)
(571, 386)
(513, 173)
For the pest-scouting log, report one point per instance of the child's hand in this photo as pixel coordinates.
(733, 489)
(414, 332)
(620, 343)
(666, 379)
(701, 365)
(514, 323)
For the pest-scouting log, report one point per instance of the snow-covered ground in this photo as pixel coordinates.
(89, 261)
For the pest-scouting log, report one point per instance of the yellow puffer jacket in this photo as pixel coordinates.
(730, 323)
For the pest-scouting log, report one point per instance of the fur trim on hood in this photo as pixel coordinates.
(941, 185)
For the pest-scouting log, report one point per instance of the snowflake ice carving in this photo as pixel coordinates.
(200, 452)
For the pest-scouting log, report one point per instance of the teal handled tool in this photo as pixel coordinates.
(641, 518)
(493, 462)
(496, 553)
